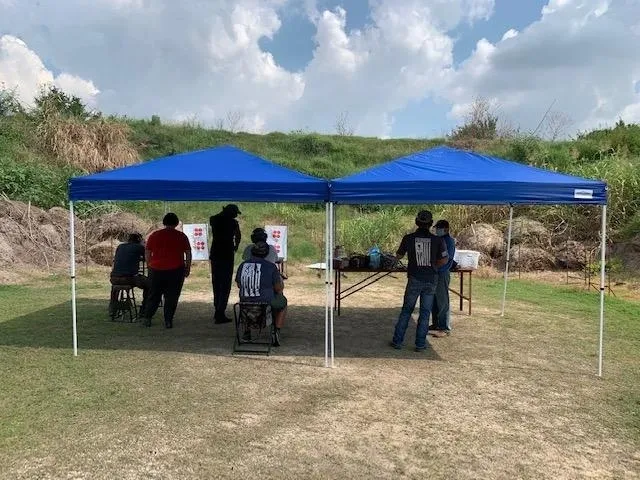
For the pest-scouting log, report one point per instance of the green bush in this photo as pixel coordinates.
(44, 185)
(313, 145)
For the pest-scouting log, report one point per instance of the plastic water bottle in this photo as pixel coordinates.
(374, 257)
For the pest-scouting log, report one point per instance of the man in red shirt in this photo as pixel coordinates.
(168, 256)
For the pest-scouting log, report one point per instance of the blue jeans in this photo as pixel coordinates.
(425, 290)
(441, 310)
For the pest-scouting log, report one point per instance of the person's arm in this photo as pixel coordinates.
(451, 250)
(402, 249)
(443, 255)
(237, 236)
(187, 256)
(187, 263)
(278, 284)
(238, 274)
(148, 250)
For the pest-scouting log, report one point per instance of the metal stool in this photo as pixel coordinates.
(254, 330)
(126, 304)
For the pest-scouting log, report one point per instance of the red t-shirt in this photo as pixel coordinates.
(167, 247)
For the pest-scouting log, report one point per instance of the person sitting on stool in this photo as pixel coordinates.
(260, 235)
(259, 281)
(126, 269)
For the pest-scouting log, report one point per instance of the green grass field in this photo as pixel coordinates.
(512, 397)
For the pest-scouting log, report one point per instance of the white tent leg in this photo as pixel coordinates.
(506, 268)
(327, 288)
(331, 285)
(72, 246)
(603, 255)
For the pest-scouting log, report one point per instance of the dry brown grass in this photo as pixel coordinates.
(91, 145)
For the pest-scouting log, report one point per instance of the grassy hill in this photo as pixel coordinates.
(41, 149)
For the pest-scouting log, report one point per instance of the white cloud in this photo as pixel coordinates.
(73, 85)
(199, 60)
(194, 58)
(511, 33)
(22, 69)
(404, 55)
(582, 55)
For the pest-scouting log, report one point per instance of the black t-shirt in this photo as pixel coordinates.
(423, 249)
(226, 235)
(126, 261)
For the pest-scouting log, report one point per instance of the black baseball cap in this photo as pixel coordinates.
(232, 207)
(260, 249)
(424, 218)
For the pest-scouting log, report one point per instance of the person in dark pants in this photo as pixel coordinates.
(168, 255)
(126, 269)
(441, 315)
(226, 238)
(426, 254)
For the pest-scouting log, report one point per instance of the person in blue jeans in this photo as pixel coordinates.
(426, 253)
(440, 315)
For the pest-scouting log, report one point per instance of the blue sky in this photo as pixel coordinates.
(399, 68)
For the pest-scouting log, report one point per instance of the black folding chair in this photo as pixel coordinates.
(254, 329)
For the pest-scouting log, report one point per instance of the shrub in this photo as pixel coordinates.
(312, 145)
(43, 185)
(90, 145)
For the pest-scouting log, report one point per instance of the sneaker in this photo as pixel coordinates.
(420, 349)
(395, 345)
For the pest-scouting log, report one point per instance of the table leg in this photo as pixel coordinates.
(461, 290)
(470, 294)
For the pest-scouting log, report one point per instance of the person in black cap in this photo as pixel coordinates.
(226, 238)
(260, 235)
(426, 254)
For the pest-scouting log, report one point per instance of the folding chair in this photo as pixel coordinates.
(253, 323)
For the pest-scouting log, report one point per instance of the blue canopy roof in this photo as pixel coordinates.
(222, 173)
(445, 175)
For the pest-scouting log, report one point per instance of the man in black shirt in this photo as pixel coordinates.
(226, 238)
(126, 268)
(426, 253)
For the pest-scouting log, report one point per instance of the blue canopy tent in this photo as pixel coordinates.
(215, 174)
(221, 173)
(445, 175)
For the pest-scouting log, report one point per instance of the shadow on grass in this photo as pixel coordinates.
(359, 332)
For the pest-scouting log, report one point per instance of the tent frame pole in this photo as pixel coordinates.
(506, 268)
(327, 289)
(603, 258)
(72, 247)
(331, 281)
